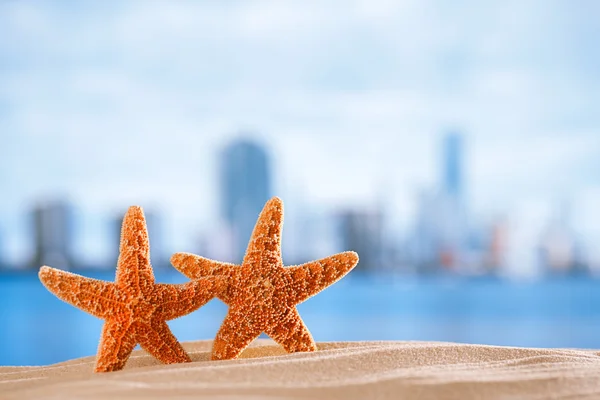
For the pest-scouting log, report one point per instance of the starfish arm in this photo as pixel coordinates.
(310, 278)
(195, 267)
(157, 339)
(94, 296)
(233, 337)
(265, 242)
(292, 334)
(134, 272)
(178, 300)
(116, 344)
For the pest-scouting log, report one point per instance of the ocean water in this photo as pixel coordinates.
(36, 328)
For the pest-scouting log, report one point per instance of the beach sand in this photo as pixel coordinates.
(344, 370)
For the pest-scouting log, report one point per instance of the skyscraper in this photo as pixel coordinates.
(441, 232)
(52, 225)
(452, 222)
(245, 188)
(361, 231)
(452, 180)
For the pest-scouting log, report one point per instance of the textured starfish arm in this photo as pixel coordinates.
(310, 278)
(157, 339)
(116, 344)
(134, 272)
(178, 300)
(94, 296)
(292, 334)
(195, 267)
(233, 337)
(265, 241)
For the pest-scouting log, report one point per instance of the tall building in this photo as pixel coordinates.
(452, 222)
(424, 242)
(245, 188)
(452, 168)
(558, 247)
(361, 231)
(53, 233)
(497, 243)
(441, 235)
(153, 224)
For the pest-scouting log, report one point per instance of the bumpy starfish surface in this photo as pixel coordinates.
(134, 307)
(261, 293)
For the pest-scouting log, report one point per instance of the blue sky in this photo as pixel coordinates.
(117, 103)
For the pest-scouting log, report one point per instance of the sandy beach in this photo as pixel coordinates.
(344, 370)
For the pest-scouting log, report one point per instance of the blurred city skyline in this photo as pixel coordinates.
(111, 104)
(443, 238)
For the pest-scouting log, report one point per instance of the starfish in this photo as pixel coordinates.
(261, 293)
(134, 307)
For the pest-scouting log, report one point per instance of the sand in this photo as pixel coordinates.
(345, 370)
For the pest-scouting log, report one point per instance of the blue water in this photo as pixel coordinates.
(36, 328)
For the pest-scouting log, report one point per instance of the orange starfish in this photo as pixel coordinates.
(134, 306)
(261, 294)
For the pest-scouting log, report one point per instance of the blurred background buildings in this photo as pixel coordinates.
(53, 234)
(444, 237)
(245, 188)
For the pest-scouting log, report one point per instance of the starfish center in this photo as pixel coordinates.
(140, 308)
